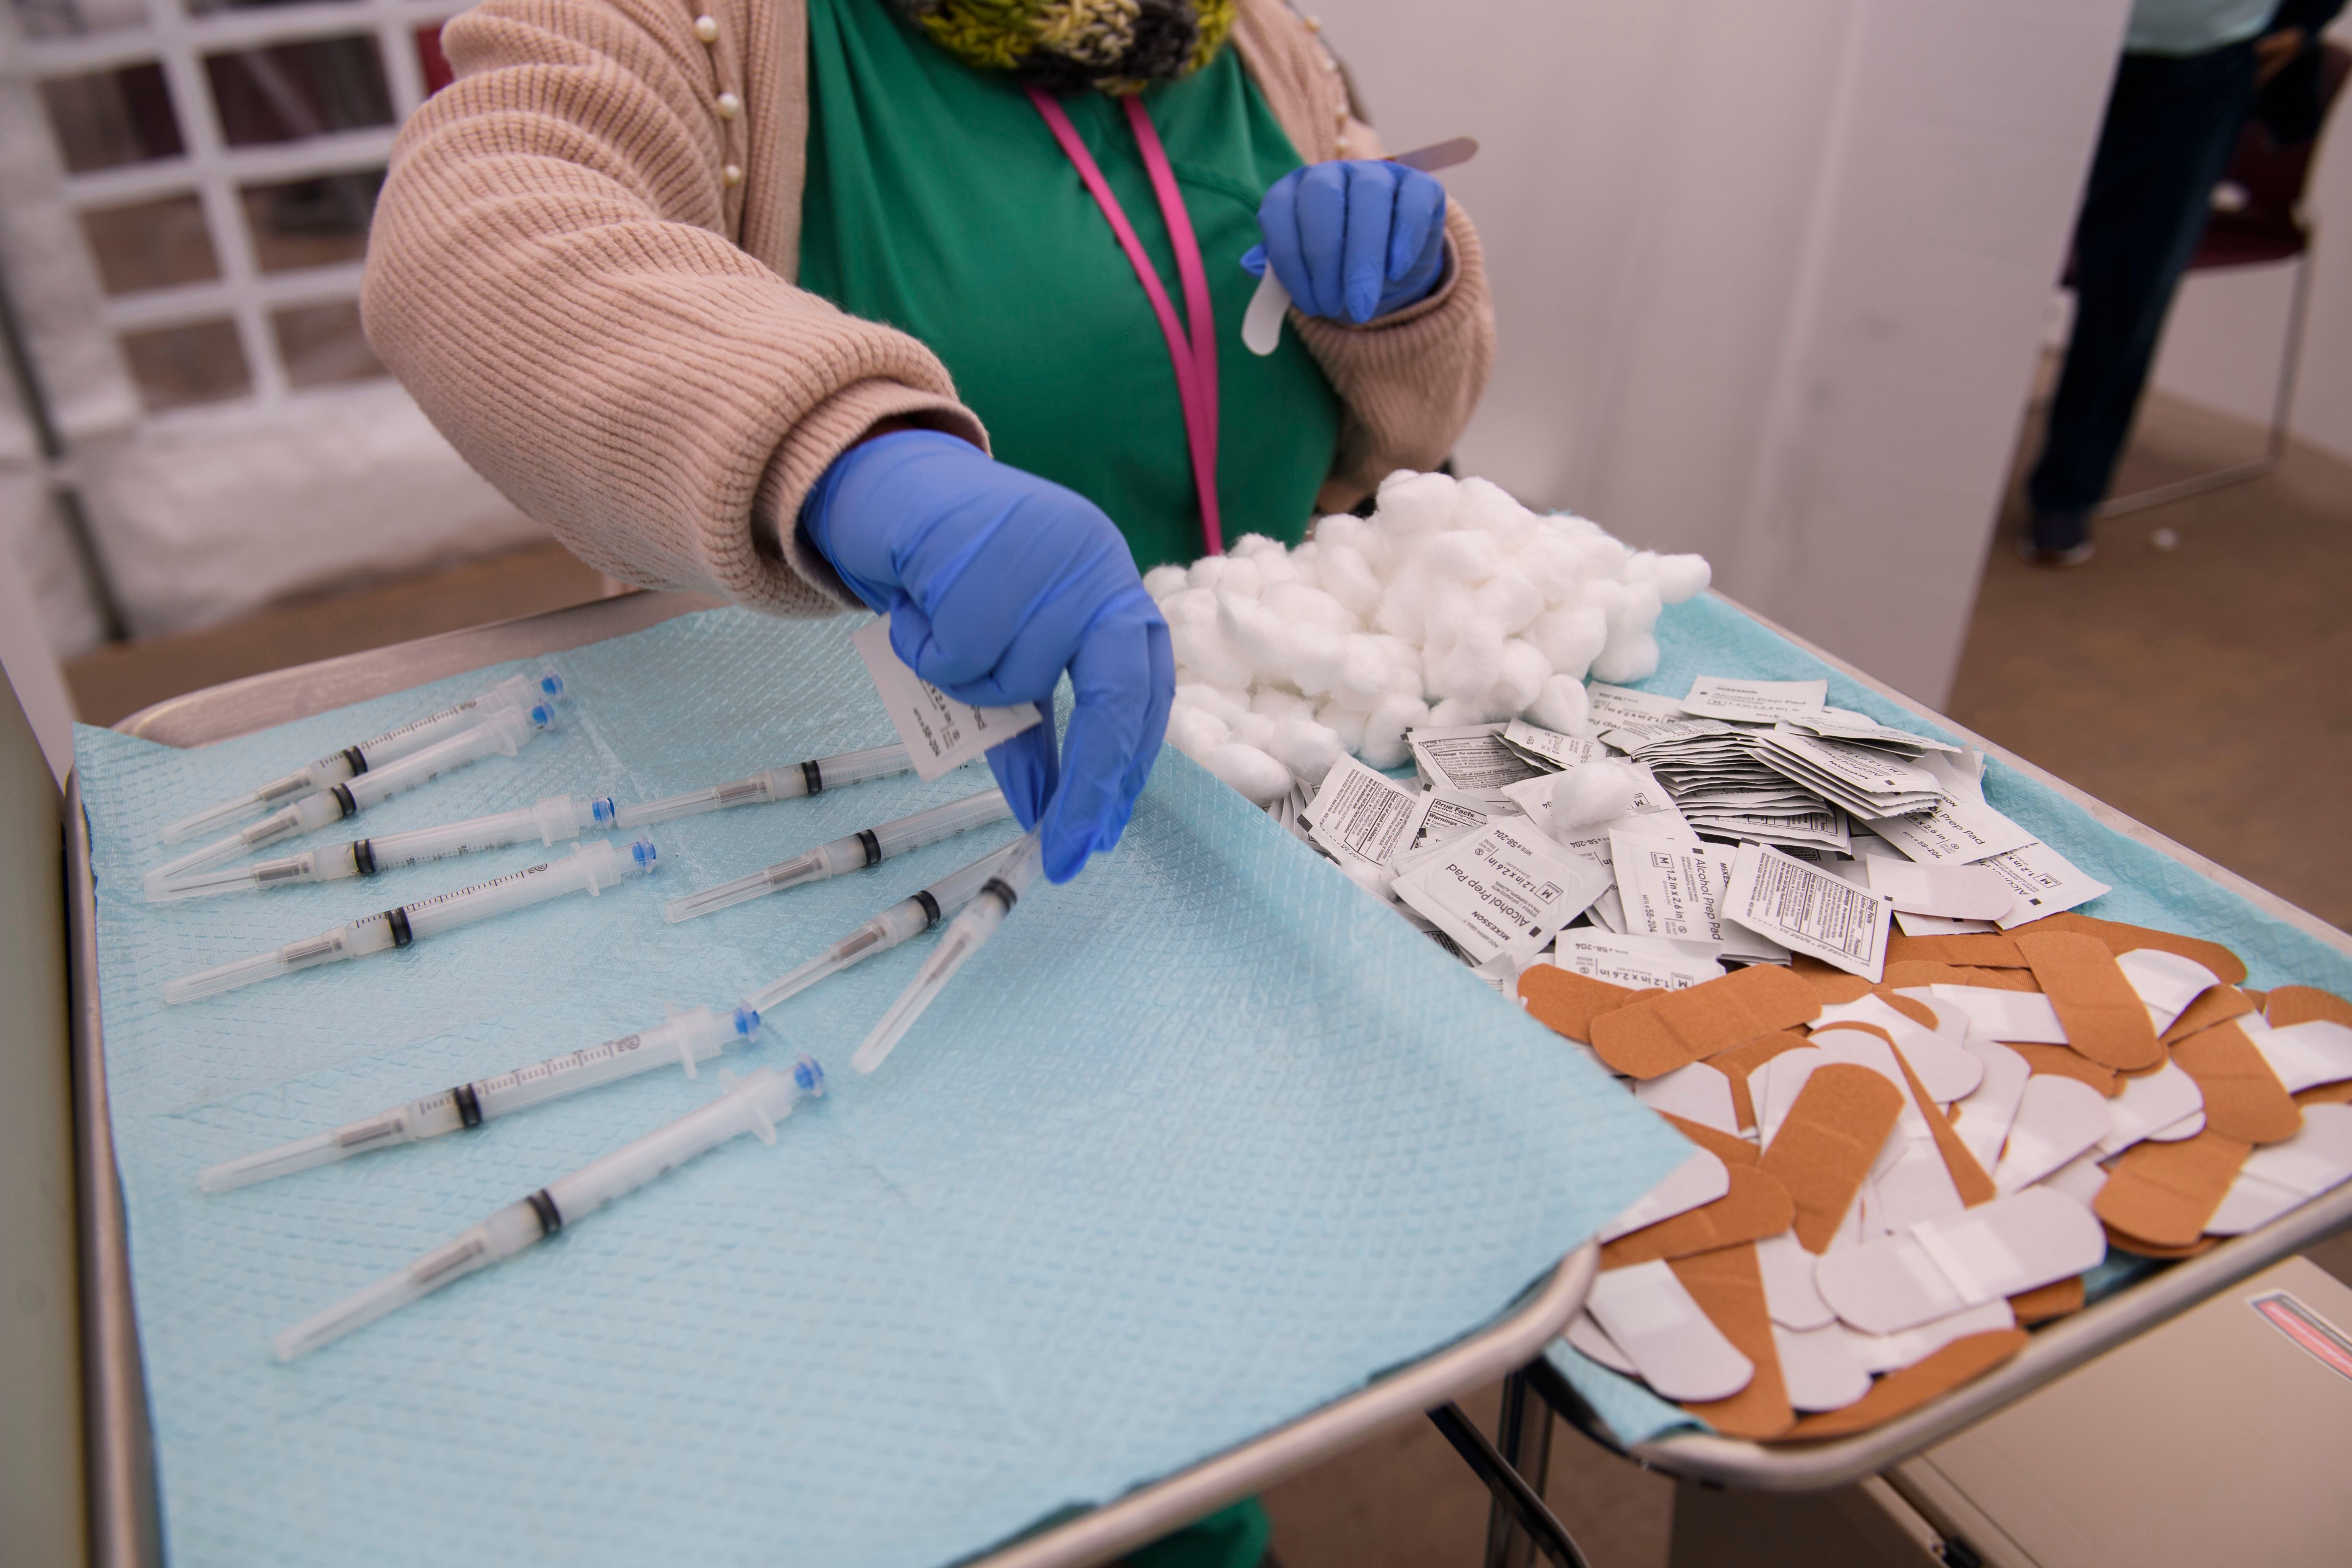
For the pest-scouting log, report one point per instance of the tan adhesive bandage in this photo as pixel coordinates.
(2119, 938)
(2292, 1005)
(2104, 1018)
(1566, 1002)
(1650, 1038)
(1756, 1207)
(1824, 1150)
(1729, 1287)
(1914, 1385)
(2218, 1005)
(2243, 1098)
(2162, 1194)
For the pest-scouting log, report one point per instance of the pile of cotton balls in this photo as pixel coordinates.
(1451, 604)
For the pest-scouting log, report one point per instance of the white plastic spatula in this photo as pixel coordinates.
(1262, 322)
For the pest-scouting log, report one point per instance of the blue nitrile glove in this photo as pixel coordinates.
(995, 582)
(1352, 240)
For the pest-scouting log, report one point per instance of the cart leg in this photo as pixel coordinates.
(1523, 1435)
(1510, 1489)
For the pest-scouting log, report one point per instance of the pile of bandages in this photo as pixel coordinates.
(1451, 604)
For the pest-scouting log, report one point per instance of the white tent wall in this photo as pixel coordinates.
(1771, 279)
(2228, 329)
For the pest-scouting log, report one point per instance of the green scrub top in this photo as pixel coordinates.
(938, 202)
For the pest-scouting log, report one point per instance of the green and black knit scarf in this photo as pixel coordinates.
(1115, 45)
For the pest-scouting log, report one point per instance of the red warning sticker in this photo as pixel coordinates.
(2306, 1328)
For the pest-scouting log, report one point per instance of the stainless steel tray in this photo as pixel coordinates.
(121, 1461)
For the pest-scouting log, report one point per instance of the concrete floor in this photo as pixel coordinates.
(2198, 687)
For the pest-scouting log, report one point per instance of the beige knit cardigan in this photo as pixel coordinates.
(581, 267)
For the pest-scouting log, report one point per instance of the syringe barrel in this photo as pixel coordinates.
(907, 917)
(753, 1104)
(558, 817)
(943, 822)
(959, 887)
(591, 866)
(757, 790)
(502, 731)
(520, 691)
(963, 937)
(692, 1037)
(311, 812)
(822, 774)
(373, 934)
(503, 1235)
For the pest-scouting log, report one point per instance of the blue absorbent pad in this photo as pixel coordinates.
(1709, 637)
(1200, 1141)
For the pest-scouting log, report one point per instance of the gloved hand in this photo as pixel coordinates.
(996, 580)
(1352, 240)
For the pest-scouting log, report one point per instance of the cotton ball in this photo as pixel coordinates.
(1255, 634)
(1316, 654)
(1279, 704)
(1361, 672)
(1567, 525)
(1201, 651)
(1307, 748)
(1486, 708)
(1342, 572)
(1570, 639)
(1635, 658)
(1250, 546)
(1196, 732)
(1400, 614)
(1297, 605)
(1249, 770)
(1254, 730)
(1592, 794)
(1384, 731)
(1192, 606)
(1307, 564)
(1470, 669)
(1484, 505)
(1227, 575)
(1346, 531)
(1410, 679)
(1464, 554)
(1553, 565)
(1677, 577)
(1511, 602)
(1635, 611)
(1275, 569)
(1162, 581)
(1226, 706)
(1564, 706)
(1412, 503)
(1525, 671)
(1348, 724)
(1604, 556)
(1448, 610)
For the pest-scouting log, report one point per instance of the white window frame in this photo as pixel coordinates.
(178, 42)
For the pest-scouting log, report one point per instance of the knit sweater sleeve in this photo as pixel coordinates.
(1407, 382)
(553, 273)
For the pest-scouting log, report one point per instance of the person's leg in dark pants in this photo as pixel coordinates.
(2171, 126)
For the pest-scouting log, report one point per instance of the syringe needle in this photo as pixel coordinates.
(911, 916)
(790, 781)
(869, 847)
(962, 939)
(752, 1104)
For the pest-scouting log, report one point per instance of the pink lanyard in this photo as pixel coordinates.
(1196, 361)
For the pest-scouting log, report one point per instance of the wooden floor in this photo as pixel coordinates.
(2203, 689)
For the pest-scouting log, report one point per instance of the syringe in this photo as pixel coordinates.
(754, 1104)
(978, 923)
(591, 868)
(868, 847)
(556, 817)
(503, 733)
(788, 783)
(943, 900)
(687, 1038)
(520, 691)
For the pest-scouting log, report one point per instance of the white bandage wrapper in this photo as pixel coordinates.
(1696, 1093)
(2080, 1178)
(2283, 1175)
(1676, 1347)
(1946, 1072)
(1591, 1338)
(1789, 1292)
(1810, 911)
(1667, 890)
(940, 732)
(1952, 892)
(1471, 759)
(1701, 1178)
(1773, 1087)
(2057, 1119)
(1817, 1367)
(1560, 751)
(1985, 1114)
(2151, 1104)
(2045, 882)
(1360, 816)
(2166, 982)
(1974, 1258)
(1887, 1353)
(2303, 1055)
(2021, 1018)
(1754, 702)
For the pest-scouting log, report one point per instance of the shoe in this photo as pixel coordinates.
(2057, 539)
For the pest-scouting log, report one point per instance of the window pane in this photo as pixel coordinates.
(312, 223)
(150, 245)
(321, 344)
(109, 118)
(74, 18)
(176, 366)
(287, 91)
